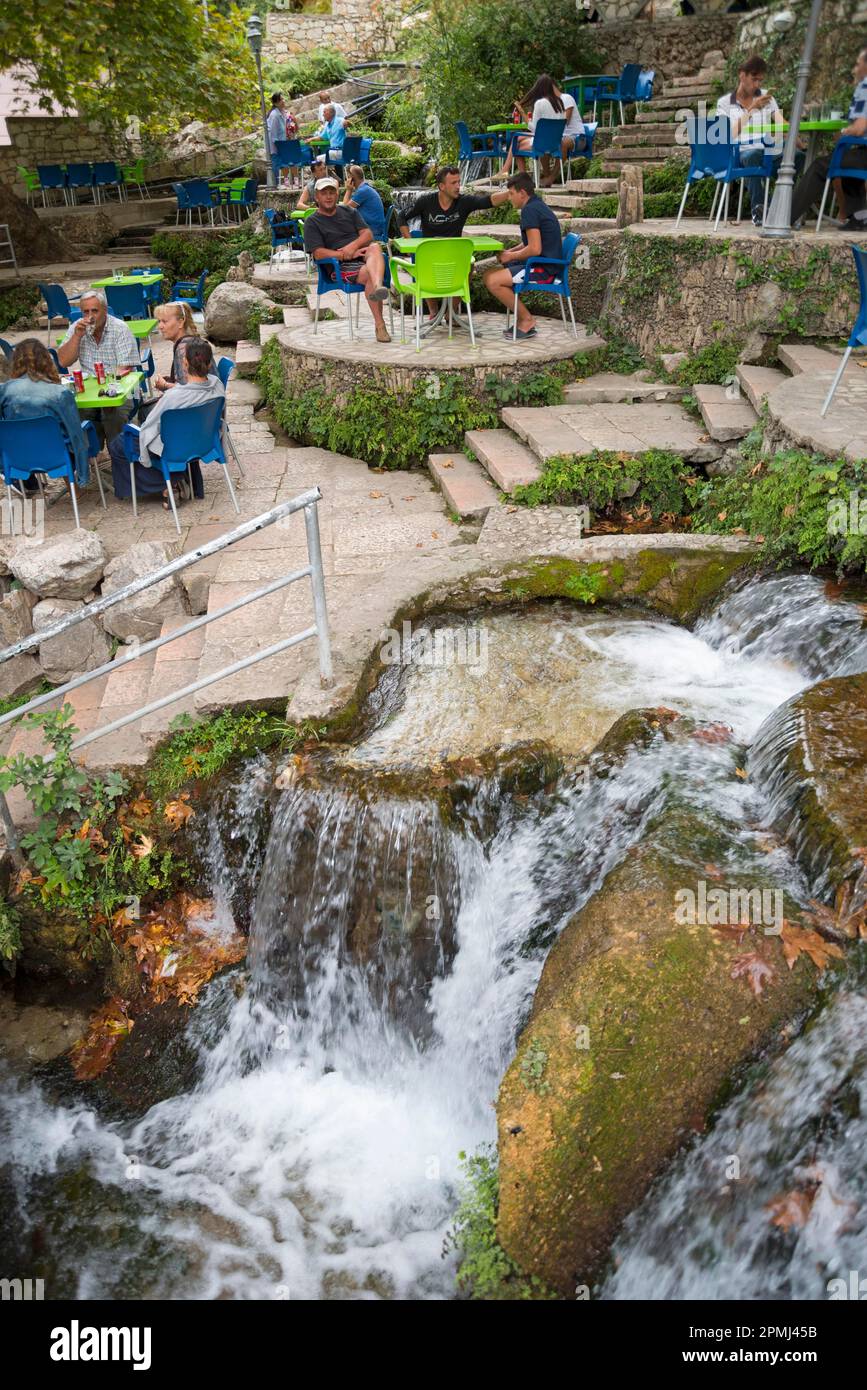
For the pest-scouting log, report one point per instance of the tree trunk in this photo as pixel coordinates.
(630, 196)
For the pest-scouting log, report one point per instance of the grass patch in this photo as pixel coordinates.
(199, 749)
(603, 481)
(485, 1270)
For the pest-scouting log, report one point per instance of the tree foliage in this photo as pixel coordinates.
(477, 58)
(109, 62)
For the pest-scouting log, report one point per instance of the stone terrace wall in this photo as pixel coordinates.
(359, 29)
(674, 47)
(48, 140)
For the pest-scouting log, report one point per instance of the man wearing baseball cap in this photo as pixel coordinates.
(340, 232)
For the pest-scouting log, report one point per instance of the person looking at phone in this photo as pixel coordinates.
(753, 113)
(99, 337)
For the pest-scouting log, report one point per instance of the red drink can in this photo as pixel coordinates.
(99, 372)
(78, 378)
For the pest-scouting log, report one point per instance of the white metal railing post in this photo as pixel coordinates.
(317, 584)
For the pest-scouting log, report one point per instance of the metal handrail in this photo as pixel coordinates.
(307, 502)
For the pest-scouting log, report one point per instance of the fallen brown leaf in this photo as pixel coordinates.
(798, 940)
(750, 967)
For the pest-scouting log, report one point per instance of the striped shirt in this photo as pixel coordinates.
(118, 347)
(858, 109)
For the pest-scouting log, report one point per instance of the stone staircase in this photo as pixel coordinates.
(653, 138)
(625, 414)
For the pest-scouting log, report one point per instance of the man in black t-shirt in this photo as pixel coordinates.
(540, 236)
(445, 212)
(341, 232)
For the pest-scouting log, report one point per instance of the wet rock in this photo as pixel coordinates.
(21, 673)
(810, 759)
(69, 566)
(636, 1027)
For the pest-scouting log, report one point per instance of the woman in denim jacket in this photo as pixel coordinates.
(34, 390)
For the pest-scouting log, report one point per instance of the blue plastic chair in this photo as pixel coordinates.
(364, 153)
(858, 336)
(106, 175)
(225, 367)
(838, 170)
(292, 154)
(191, 292)
(202, 198)
(547, 140)
(351, 150)
(349, 287)
(185, 203)
(635, 84)
(283, 234)
(79, 176)
(152, 292)
(32, 446)
(245, 197)
(57, 305)
(188, 434)
(6, 348)
(484, 146)
(524, 283)
(715, 155)
(52, 176)
(127, 301)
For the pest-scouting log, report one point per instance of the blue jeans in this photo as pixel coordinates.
(756, 187)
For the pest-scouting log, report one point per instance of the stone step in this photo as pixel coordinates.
(609, 386)
(674, 103)
(758, 382)
(464, 484)
(615, 169)
(589, 186)
(247, 357)
(805, 357)
(126, 689)
(590, 224)
(665, 130)
(295, 316)
(503, 456)
(726, 419)
(267, 331)
(705, 77)
(643, 154)
(618, 427)
(645, 118)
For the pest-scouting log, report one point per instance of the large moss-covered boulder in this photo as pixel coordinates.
(638, 1023)
(811, 759)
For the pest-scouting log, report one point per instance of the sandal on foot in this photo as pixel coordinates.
(529, 333)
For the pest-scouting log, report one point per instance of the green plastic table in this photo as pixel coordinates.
(127, 280)
(570, 83)
(481, 245)
(90, 399)
(813, 128)
(141, 328)
(507, 126)
(301, 212)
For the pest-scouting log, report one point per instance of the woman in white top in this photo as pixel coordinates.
(545, 101)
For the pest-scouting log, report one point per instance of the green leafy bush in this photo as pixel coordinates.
(406, 118)
(597, 480)
(201, 748)
(16, 303)
(485, 1271)
(308, 73)
(800, 505)
(187, 256)
(713, 365)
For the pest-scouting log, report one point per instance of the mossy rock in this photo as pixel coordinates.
(587, 1120)
(811, 760)
(677, 583)
(57, 946)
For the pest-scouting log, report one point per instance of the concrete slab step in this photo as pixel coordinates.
(267, 331)
(589, 224)
(295, 315)
(726, 419)
(757, 383)
(638, 154)
(247, 357)
(545, 434)
(618, 427)
(590, 186)
(805, 357)
(665, 130)
(608, 386)
(504, 457)
(241, 392)
(464, 484)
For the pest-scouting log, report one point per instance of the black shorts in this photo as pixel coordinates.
(348, 269)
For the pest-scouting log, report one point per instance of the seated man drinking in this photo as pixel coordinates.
(541, 236)
(341, 233)
(99, 337)
(202, 384)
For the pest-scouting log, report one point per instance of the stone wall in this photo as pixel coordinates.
(674, 47)
(48, 140)
(359, 29)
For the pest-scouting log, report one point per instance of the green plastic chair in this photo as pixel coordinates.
(135, 173)
(440, 270)
(30, 179)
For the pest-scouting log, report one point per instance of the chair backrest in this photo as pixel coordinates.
(627, 81)
(199, 193)
(644, 84)
(105, 172)
(351, 149)
(56, 303)
(182, 194)
(32, 445)
(51, 175)
(571, 243)
(859, 332)
(291, 153)
(548, 136)
(6, 348)
(28, 177)
(225, 367)
(79, 175)
(127, 301)
(466, 150)
(191, 432)
(711, 145)
(364, 152)
(442, 264)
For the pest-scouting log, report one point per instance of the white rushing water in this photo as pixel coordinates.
(317, 1156)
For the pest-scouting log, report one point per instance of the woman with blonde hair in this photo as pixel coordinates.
(34, 389)
(177, 327)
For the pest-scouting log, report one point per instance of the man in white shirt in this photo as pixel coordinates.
(753, 113)
(99, 337)
(276, 124)
(325, 100)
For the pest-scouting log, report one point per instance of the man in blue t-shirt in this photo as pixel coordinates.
(541, 236)
(809, 189)
(364, 198)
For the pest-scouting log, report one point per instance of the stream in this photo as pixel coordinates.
(394, 953)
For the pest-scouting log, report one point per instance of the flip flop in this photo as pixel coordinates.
(530, 333)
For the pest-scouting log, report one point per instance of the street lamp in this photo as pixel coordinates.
(254, 39)
(778, 222)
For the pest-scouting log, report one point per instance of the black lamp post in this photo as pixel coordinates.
(779, 219)
(254, 39)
